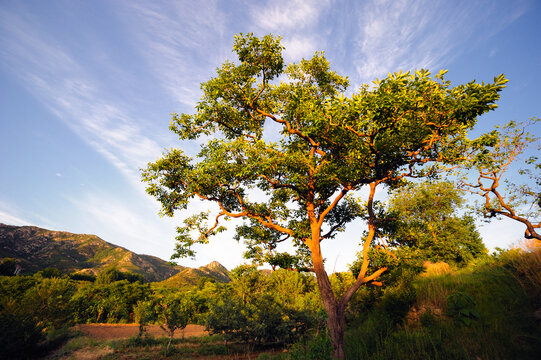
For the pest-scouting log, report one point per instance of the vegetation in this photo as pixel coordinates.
(484, 309)
(422, 223)
(438, 294)
(310, 150)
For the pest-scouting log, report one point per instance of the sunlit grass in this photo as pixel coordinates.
(505, 292)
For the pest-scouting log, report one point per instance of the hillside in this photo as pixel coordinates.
(190, 276)
(36, 249)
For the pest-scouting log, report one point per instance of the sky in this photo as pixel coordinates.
(87, 89)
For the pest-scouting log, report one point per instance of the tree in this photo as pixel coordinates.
(174, 312)
(7, 266)
(425, 221)
(493, 155)
(112, 274)
(143, 313)
(309, 150)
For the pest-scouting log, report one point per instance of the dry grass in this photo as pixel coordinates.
(435, 269)
(89, 353)
(528, 266)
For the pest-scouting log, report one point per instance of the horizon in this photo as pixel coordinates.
(88, 89)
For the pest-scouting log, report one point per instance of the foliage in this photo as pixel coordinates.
(20, 333)
(505, 328)
(426, 225)
(82, 277)
(111, 275)
(49, 272)
(461, 307)
(312, 348)
(174, 311)
(276, 308)
(50, 302)
(15, 287)
(31, 309)
(113, 302)
(143, 313)
(7, 266)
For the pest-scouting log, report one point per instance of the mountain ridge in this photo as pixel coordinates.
(36, 248)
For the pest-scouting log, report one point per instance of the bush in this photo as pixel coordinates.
(49, 300)
(262, 321)
(20, 335)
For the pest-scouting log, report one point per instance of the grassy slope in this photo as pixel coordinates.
(505, 293)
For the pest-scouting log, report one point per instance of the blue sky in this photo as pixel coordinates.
(87, 89)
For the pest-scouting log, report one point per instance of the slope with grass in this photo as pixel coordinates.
(485, 311)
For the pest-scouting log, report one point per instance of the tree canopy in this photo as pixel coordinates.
(286, 149)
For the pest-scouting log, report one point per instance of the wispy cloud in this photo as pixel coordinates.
(296, 21)
(182, 42)
(124, 224)
(51, 73)
(285, 15)
(407, 34)
(10, 216)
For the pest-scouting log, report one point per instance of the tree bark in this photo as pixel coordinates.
(333, 307)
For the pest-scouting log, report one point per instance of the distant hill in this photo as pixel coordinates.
(189, 276)
(36, 249)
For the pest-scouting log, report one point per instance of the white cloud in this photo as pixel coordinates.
(296, 21)
(8, 218)
(73, 95)
(182, 42)
(407, 34)
(299, 47)
(287, 15)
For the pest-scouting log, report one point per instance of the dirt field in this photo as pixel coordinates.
(123, 331)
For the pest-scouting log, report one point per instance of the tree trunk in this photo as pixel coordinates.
(336, 325)
(333, 307)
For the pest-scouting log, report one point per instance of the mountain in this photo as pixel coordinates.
(36, 249)
(189, 276)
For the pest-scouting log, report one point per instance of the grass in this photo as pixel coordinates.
(150, 348)
(503, 293)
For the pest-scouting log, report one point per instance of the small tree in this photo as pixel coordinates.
(309, 150)
(425, 223)
(174, 311)
(8, 266)
(143, 313)
(494, 154)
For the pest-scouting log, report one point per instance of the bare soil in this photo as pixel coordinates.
(124, 331)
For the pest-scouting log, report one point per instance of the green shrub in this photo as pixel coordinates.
(461, 308)
(20, 335)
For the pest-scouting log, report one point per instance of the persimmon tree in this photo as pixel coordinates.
(285, 149)
(492, 156)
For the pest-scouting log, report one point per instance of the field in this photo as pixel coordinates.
(124, 331)
(119, 341)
